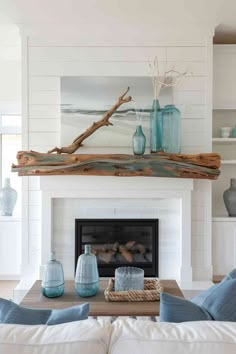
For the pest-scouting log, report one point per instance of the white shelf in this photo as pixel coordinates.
(224, 218)
(228, 162)
(224, 140)
(10, 218)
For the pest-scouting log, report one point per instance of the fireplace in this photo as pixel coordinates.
(119, 242)
(66, 198)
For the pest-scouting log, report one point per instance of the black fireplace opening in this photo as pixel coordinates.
(119, 242)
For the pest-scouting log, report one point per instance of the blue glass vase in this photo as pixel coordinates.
(171, 129)
(53, 278)
(139, 141)
(86, 277)
(156, 127)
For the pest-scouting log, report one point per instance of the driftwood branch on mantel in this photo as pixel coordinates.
(201, 166)
(104, 121)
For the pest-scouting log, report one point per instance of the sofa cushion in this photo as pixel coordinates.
(82, 337)
(13, 313)
(139, 337)
(176, 309)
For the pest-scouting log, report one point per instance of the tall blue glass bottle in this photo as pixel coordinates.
(139, 141)
(53, 278)
(171, 129)
(156, 127)
(86, 277)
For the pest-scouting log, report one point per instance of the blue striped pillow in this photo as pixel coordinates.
(217, 303)
(15, 314)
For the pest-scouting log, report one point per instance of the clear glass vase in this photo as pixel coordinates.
(156, 127)
(86, 277)
(139, 141)
(171, 129)
(129, 278)
(8, 197)
(53, 278)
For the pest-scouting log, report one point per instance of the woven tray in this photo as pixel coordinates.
(151, 292)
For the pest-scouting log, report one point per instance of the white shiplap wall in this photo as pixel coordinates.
(50, 58)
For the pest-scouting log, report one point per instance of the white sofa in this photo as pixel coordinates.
(124, 336)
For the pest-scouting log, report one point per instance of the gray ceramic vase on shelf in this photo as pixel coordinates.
(230, 198)
(8, 197)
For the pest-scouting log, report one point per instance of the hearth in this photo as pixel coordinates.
(119, 242)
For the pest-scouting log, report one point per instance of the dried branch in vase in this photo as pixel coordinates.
(104, 121)
(164, 78)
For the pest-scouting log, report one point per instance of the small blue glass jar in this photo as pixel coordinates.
(53, 278)
(139, 141)
(86, 277)
(171, 129)
(129, 278)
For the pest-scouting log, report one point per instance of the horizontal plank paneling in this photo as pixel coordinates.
(43, 139)
(194, 139)
(44, 111)
(44, 125)
(192, 84)
(192, 110)
(193, 125)
(125, 54)
(142, 35)
(44, 83)
(194, 149)
(179, 97)
(44, 97)
(47, 83)
(189, 97)
(51, 68)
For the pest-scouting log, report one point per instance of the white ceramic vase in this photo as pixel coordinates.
(8, 197)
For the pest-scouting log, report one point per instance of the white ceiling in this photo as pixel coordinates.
(217, 12)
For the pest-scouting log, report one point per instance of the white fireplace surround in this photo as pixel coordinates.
(166, 199)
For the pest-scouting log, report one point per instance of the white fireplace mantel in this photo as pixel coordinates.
(122, 188)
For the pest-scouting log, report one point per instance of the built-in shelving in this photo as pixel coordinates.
(224, 140)
(228, 162)
(224, 218)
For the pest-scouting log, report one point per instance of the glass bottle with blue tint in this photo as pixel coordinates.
(86, 277)
(53, 278)
(139, 141)
(171, 129)
(156, 127)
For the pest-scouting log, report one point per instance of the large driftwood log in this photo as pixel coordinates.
(202, 166)
(104, 121)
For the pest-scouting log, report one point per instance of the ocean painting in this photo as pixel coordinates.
(85, 100)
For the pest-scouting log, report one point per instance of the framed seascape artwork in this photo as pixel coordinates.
(84, 100)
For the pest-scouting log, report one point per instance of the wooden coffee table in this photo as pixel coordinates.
(98, 305)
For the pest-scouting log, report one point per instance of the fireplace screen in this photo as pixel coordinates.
(116, 243)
